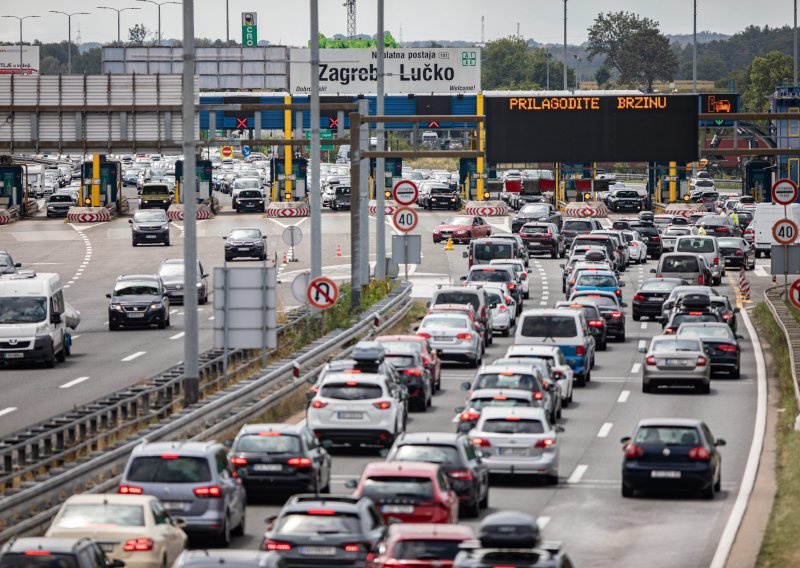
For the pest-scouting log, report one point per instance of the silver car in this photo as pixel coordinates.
(708, 248)
(673, 361)
(467, 416)
(671, 234)
(453, 336)
(518, 440)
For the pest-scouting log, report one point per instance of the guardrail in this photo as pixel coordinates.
(31, 505)
(774, 298)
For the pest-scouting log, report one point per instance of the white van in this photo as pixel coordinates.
(764, 218)
(32, 321)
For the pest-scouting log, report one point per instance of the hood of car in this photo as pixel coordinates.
(452, 227)
(172, 279)
(150, 224)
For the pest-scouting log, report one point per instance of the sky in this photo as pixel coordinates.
(286, 22)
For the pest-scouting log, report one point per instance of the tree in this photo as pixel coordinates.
(602, 76)
(765, 73)
(137, 34)
(506, 62)
(645, 57)
(610, 32)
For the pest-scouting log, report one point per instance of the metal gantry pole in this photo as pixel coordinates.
(565, 46)
(380, 169)
(314, 187)
(694, 49)
(795, 44)
(355, 210)
(191, 373)
(363, 202)
(227, 21)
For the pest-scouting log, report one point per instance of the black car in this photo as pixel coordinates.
(610, 306)
(648, 301)
(675, 297)
(543, 238)
(171, 273)
(341, 198)
(625, 200)
(737, 252)
(669, 454)
(138, 301)
(149, 226)
(442, 196)
(720, 226)
(250, 200)
(58, 204)
(650, 235)
(325, 530)
(575, 227)
(728, 312)
(47, 552)
(720, 342)
(245, 243)
(413, 373)
(691, 313)
(594, 319)
(541, 212)
(280, 457)
(457, 457)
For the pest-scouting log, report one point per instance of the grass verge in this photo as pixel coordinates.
(780, 546)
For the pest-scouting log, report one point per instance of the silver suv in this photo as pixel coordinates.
(706, 247)
(194, 481)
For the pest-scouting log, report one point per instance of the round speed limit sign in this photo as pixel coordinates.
(785, 231)
(405, 219)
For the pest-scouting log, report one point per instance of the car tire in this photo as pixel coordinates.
(602, 346)
(224, 538)
(527, 295)
(636, 317)
(758, 254)
(473, 509)
(134, 243)
(551, 479)
(61, 356)
(708, 492)
(706, 388)
(718, 483)
(50, 362)
(239, 530)
(646, 388)
(736, 373)
(620, 338)
(228, 258)
(581, 382)
(162, 323)
(506, 331)
(627, 491)
(553, 254)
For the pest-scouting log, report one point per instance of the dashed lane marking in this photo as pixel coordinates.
(178, 335)
(644, 325)
(623, 396)
(636, 368)
(578, 474)
(7, 410)
(604, 430)
(133, 356)
(74, 382)
(642, 343)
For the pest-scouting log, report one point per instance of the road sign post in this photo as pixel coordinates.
(784, 192)
(322, 293)
(292, 236)
(226, 152)
(785, 231)
(405, 220)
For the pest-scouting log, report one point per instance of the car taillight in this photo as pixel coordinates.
(669, 331)
(655, 239)
(616, 315)
(413, 372)
(426, 361)
(129, 490)
(580, 350)
(239, 462)
(469, 415)
(727, 316)
(701, 361)
(739, 252)
(749, 231)
(699, 453)
(318, 404)
(716, 260)
(483, 312)
(650, 360)
(618, 292)
(352, 548)
(634, 244)
(209, 492)
(596, 323)
(481, 442)
(722, 229)
(464, 336)
(462, 474)
(138, 544)
(502, 308)
(423, 334)
(545, 443)
(538, 395)
(638, 298)
(509, 299)
(572, 282)
(512, 287)
(382, 405)
(547, 235)
(278, 546)
(728, 348)
(633, 452)
(700, 279)
(299, 462)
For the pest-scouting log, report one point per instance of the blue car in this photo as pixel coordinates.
(599, 280)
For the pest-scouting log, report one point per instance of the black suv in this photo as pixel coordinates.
(625, 200)
(536, 212)
(138, 301)
(245, 242)
(149, 226)
(650, 235)
(467, 473)
(341, 198)
(250, 200)
(48, 551)
(442, 196)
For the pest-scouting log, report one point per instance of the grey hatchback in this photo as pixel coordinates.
(194, 481)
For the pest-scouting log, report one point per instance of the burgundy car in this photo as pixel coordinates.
(462, 229)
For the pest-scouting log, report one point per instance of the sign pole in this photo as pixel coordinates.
(405, 252)
(380, 176)
(314, 185)
(786, 258)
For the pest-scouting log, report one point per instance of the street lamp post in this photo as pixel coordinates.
(794, 66)
(694, 50)
(159, 4)
(20, 18)
(578, 75)
(227, 22)
(69, 34)
(118, 11)
(565, 45)
(548, 56)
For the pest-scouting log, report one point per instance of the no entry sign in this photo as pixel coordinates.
(405, 192)
(784, 192)
(322, 293)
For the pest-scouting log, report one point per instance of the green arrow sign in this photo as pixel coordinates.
(324, 134)
(719, 122)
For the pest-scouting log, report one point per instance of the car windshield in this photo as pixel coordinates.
(705, 332)
(250, 194)
(448, 322)
(87, 515)
(440, 190)
(150, 216)
(680, 264)
(458, 220)
(657, 285)
(342, 190)
(488, 276)
(579, 226)
(513, 425)
(427, 453)
(60, 198)
(506, 380)
(535, 210)
(627, 194)
(136, 288)
(599, 280)
(517, 268)
(351, 390)
(667, 435)
(331, 522)
(549, 326)
(489, 251)
(674, 345)
(5, 260)
(22, 310)
(173, 269)
(243, 183)
(381, 488)
(646, 230)
(169, 468)
(42, 559)
(426, 550)
(731, 243)
(468, 298)
(267, 443)
(155, 190)
(244, 234)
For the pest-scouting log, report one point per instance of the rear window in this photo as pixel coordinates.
(169, 469)
(458, 298)
(677, 231)
(731, 243)
(645, 230)
(354, 391)
(657, 285)
(268, 443)
(675, 345)
(695, 245)
(384, 488)
(506, 380)
(535, 230)
(329, 522)
(579, 226)
(499, 401)
(505, 426)
(426, 550)
(682, 318)
(39, 560)
(60, 198)
(601, 301)
(549, 326)
(489, 276)
(600, 280)
(672, 435)
(718, 332)
(401, 360)
(427, 453)
(489, 251)
(82, 515)
(450, 323)
(680, 264)
(440, 190)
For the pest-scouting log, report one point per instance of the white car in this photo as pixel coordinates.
(133, 528)
(519, 269)
(636, 246)
(562, 371)
(357, 408)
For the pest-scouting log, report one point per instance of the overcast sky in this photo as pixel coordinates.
(286, 21)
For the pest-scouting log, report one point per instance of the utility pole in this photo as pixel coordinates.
(363, 203)
(118, 11)
(355, 210)
(380, 163)
(69, 34)
(315, 186)
(565, 45)
(548, 55)
(795, 43)
(20, 37)
(191, 372)
(694, 49)
(227, 22)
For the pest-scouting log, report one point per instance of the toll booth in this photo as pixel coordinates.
(110, 181)
(757, 179)
(12, 188)
(392, 171)
(298, 175)
(466, 168)
(204, 175)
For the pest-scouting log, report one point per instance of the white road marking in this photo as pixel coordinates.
(211, 318)
(578, 474)
(644, 325)
(133, 356)
(760, 271)
(542, 522)
(74, 382)
(7, 410)
(604, 430)
(178, 335)
(636, 368)
(173, 311)
(76, 336)
(623, 396)
(542, 303)
(642, 343)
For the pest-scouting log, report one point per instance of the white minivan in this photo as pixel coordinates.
(764, 218)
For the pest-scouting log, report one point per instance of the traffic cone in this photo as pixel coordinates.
(449, 245)
(339, 249)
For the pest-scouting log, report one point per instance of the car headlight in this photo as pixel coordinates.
(116, 307)
(199, 284)
(136, 227)
(165, 227)
(156, 306)
(261, 201)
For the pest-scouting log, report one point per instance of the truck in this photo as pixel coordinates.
(155, 195)
(764, 218)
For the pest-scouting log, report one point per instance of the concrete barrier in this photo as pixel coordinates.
(175, 212)
(586, 209)
(287, 209)
(486, 208)
(389, 207)
(683, 209)
(9, 215)
(88, 214)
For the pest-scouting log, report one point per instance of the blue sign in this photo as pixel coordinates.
(246, 151)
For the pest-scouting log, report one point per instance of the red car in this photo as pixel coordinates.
(420, 546)
(462, 229)
(429, 355)
(412, 492)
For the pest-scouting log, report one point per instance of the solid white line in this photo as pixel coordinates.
(578, 474)
(178, 335)
(636, 368)
(542, 522)
(74, 382)
(173, 311)
(133, 356)
(623, 396)
(642, 343)
(76, 336)
(604, 430)
(211, 318)
(542, 303)
(7, 410)
(644, 325)
(750, 470)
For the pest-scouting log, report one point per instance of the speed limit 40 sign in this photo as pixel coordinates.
(785, 231)
(405, 219)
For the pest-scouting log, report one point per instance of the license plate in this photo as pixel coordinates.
(13, 355)
(318, 550)
(443, 338)
(107, 546)
(674, 362)
(243, 248)
(534, 244)
(406, 509)
(665, 474)
(350, 415)
(511, 451)
(150, 236)
(174, 505)
(267, 467)
(136, 315)
(655, 299)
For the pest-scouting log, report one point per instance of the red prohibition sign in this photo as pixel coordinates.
(322, 293)
(794, 293)
(785, 231)
(405, 219)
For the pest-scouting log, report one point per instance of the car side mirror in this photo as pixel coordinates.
(624, 304)
(224, 238)
(178, 522)
(312, 380)
(463, 279)
(327, 444)
(625, 440)
(736, 310)
(130, 221)
(465, 386)
(720, 442)
(117, 563)
(652, 271)
(460, 409)
(17, 265)
(740, 337)
(622, 284)
(55, 318)
(165, 294)
(108, 296)
(465, 254)
(351, 483)
(562, 265)
(270, 519)
(205, 275)
(560, 429)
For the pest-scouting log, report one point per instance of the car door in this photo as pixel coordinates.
(319, 456)
(172, 536)
(477, 465)
(231, 486)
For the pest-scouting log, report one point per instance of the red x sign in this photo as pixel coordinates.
(241, 123)
(333, 122)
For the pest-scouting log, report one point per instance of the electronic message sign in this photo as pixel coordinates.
(578, 129)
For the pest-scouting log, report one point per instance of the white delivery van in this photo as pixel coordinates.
(764, 218)
(32, 321)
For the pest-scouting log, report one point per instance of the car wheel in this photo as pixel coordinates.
(581, 382)
(736, 373)
(602, 346)
(646, 388)
(553, 254)
(636, 317)
(627, 491)
(225, 535)
(228, 258)
(758, 254)
(61, 356)
(473, 509)
(485, 500)
(718, 483)
(239, 530)
(527, 295)
(506, 332)
(134, 243)
(708, 492)
(551, 479)
(50, 362)
(621, 337)
(705, 388)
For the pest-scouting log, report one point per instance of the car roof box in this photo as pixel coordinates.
(509, 529)
(696, 300)
(368, 353)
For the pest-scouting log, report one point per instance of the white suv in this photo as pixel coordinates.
(358, 408)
